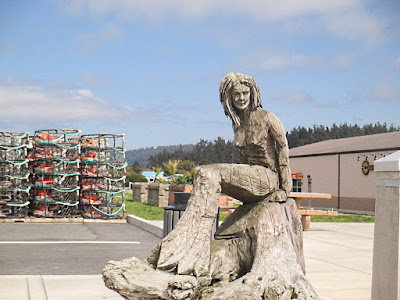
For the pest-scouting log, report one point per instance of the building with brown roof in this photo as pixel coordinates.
(344, 168)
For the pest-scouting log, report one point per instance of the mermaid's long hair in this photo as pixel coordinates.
(225, 94)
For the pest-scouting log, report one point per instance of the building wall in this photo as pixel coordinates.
(323, 171)
(350, 189)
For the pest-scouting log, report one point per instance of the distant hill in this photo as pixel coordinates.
(142, 155)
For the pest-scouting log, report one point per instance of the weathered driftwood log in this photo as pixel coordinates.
(257, 254)
(136, 279)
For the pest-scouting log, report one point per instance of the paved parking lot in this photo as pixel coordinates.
(338, 259)
(69, 249)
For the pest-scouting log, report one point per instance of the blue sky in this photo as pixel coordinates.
(151, 69)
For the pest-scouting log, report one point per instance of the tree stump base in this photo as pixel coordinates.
(257, 254)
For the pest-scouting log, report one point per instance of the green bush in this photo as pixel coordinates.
(135, 177)
(183, 179)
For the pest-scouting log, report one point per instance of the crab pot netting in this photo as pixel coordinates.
(49, 151)
(98, 184)
(103, 212)
(14, 210)
(14, 203)
(56, 173)
(57, 196)
(105, 198)
(14, 174)
(39, 209)
(62, 136)
(114, 171)
(13, 146)
(18, 196)
(49, 202)
(55, 167)
(103, 148)
(10, 153)
(12, 169)
(56, 181)
(102, 175)
(57, 143)
(13, 139)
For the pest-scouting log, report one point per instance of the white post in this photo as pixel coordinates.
(386, 267)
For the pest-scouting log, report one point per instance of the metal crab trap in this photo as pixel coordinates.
(55, 169)
(13, 139)
(53, 210)
(14, 203)
(52, 202)
(102, 204)
(102, 176)
(57, 143)
(103, 148)
(13, 145)
(14, 175)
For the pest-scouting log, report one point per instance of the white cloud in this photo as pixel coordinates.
(397, 62)
(355, 24)
(89, 41)
(386, 92)
(293, 97)
(262, 10)
(344, 59)
(275, 62)
(35, 104)
(344, 18)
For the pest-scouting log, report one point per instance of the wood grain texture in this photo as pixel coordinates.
(257, 254)
(258, 251)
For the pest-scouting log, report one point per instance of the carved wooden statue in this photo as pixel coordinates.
(258, 251)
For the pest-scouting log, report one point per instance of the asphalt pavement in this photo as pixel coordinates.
(69, 249)
(338, 259)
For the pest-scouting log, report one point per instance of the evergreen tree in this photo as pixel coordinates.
(221, 151)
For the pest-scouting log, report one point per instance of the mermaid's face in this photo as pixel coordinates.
(240, 96)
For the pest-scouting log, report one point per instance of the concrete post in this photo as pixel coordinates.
(386, 267)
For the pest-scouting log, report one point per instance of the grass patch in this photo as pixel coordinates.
(150, 212)
(144, 210)
(147, 211)
(344, 218)
(128, 196)
(223, 216)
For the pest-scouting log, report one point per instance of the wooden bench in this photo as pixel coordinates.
(227, 209)
(306, 214)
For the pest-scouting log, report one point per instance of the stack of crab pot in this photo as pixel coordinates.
(55, 168)
(14, 175)
(102, 178)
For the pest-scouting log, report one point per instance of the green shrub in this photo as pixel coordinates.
(135, 177)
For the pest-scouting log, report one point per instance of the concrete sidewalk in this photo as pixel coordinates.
(55, 287)
(339, 259)
(338, 265)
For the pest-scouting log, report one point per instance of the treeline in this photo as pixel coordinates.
(303, 136)
(221, 151)
(204, 152)
(141, 156)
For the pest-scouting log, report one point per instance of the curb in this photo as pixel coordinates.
(63, 220)
(145, 225)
